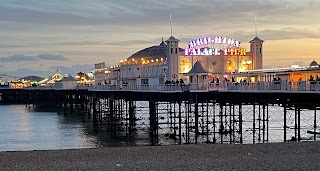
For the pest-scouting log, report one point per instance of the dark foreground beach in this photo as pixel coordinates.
(273, 156)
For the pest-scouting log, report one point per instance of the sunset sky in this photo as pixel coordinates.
(39, 37)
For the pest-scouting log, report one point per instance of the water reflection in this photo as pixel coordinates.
(23, 129)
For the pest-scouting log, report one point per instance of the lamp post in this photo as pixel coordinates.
(248, 63)
(165, 73)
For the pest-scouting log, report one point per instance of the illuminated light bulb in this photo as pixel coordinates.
(161, 59)
(141, 59)
(125, 60)
(132, 59)
(152, 60)
(121, 61)
(157, 60)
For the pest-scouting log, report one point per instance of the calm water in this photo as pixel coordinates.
(23, 129)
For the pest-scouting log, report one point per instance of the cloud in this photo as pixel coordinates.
(51, 57)
(1, 65)
(18, 58)
(100, 12)
(25, 58)
(22, 72)
(137, 41)
(289, 33)
(63, 70)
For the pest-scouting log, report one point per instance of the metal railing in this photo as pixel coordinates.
(138, 87)
(230, 86)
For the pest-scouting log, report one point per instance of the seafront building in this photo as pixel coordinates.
(206, 60)
(219, 58)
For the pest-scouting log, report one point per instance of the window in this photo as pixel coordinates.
(171, 50)
(176, 50)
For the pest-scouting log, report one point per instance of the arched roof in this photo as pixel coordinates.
(158, 51)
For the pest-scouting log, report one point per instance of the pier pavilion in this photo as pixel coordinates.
(219, 56)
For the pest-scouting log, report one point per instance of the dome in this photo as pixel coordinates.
(158, 51)
(314, 63)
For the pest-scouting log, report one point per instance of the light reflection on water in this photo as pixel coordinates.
(22, 129)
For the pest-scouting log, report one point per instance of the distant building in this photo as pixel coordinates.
(66, 83)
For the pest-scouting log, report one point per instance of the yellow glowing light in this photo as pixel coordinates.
(121, 61)
(185, 70)
(152, 60)
(125, 60)
(161, 59)
(132, 59)
(229, 68)
(148, 61)
(157, 60)
(141, 59)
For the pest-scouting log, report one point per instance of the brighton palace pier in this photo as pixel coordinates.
(204, 64)
(213, 91)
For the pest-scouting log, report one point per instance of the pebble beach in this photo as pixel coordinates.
(272, 156)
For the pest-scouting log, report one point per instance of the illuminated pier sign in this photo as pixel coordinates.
(213, 40)
(216, 51)
(201, 46)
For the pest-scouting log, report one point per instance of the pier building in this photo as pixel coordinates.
(219, 56)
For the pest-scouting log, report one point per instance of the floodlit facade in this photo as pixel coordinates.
(220, 57)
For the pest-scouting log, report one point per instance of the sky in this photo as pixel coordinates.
(40, 37)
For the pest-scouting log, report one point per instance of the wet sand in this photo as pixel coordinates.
(272, 156)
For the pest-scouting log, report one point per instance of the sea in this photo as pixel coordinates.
(24, 129)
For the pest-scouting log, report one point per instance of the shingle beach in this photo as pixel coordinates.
(272, 156)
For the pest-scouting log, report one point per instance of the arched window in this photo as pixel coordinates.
(184, 65)
(230, 65)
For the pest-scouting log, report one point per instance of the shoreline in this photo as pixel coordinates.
(269, 156)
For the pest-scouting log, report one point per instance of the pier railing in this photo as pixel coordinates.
(224, 86)
(230, 86)
(139, 87)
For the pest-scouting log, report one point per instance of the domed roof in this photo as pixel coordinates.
(314, 63)
(153, 51)
(158, 51)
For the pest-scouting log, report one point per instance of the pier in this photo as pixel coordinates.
(179, 114)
